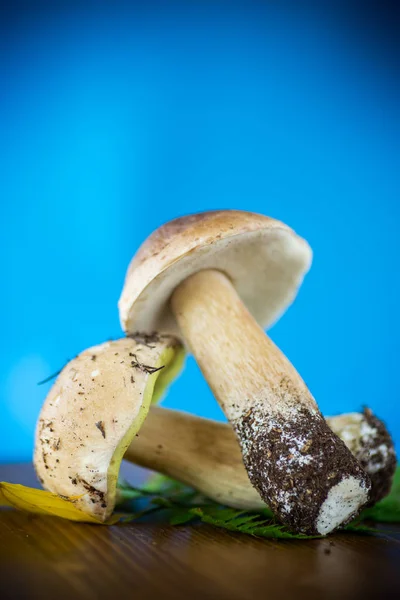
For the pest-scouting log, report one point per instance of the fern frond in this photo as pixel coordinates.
(183, 504)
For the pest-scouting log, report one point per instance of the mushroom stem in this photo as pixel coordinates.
(240, 362)
(199, 452)
(205, 454)
(299, 467)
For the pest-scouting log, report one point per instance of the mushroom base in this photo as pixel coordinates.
(377, 456)
(295, 463)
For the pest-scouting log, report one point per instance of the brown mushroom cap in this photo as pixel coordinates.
(264, 258)
(93, 412)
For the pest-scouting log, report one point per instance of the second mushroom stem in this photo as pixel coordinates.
(205, 454)
(198, 452)
(292, 457)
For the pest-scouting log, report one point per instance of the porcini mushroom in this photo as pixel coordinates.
(217, 278)
(92, 413)
(205, 454)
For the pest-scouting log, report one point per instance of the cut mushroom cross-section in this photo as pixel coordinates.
(92, 413)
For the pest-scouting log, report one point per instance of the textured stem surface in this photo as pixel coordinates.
(302, 470)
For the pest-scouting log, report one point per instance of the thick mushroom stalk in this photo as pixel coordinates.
(92, 413)
(205, 454)
(301, 469)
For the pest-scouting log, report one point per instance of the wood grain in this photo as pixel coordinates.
(48, 558)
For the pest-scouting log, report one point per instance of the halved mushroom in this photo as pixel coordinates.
(93, 412)
(217, 277)
(205, 454)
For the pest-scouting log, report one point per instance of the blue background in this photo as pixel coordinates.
(114, 120)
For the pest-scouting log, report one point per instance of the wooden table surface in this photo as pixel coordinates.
(49, 558)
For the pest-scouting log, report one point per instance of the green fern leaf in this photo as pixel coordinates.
(251, 526)
(182, 504)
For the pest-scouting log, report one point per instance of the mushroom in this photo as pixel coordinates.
(216, 278)
(205, 454)
(92, 413)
